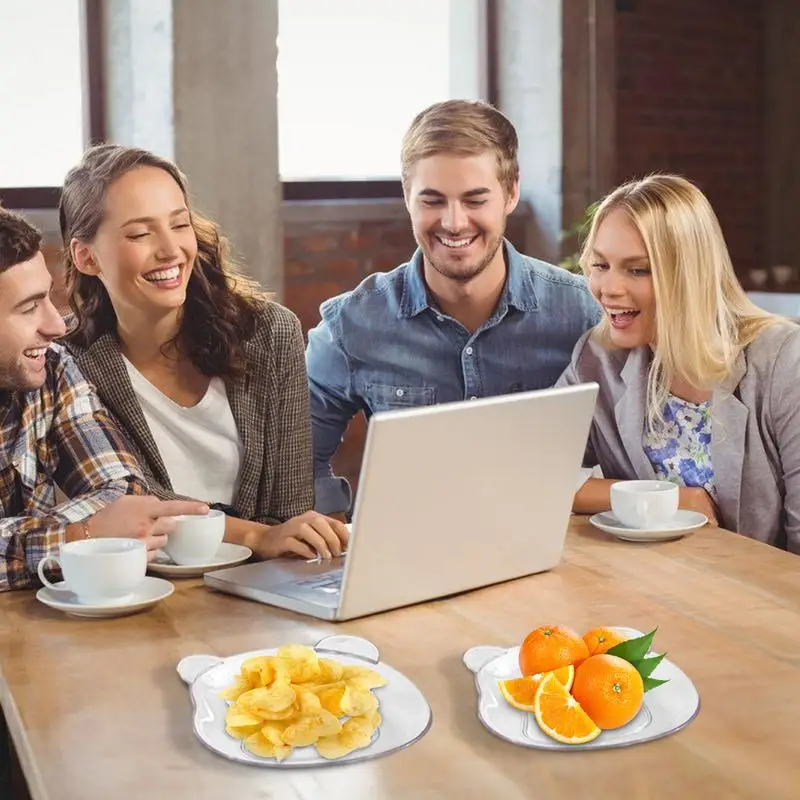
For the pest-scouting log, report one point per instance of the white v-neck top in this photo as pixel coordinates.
(200, 446)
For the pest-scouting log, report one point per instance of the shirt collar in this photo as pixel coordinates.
(518, 291)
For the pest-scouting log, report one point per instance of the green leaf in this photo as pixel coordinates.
(652, 683)
(633, 649)
(646, 666)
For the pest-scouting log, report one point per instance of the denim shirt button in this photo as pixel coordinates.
(468, 351)
(399, 392)
(473, 397)
(439, 318)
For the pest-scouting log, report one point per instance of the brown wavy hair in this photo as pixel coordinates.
(222, 306)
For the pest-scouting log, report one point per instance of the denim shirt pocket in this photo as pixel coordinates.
(385, 397)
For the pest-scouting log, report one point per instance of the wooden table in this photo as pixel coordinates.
(96, 709)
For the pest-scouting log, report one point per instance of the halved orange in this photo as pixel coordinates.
(560, 715)
(519, 692)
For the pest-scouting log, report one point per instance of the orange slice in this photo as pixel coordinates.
(519, 692)
(560, 715)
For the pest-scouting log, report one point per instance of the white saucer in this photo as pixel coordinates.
(227, 555)
(150, 592)
(683, 522)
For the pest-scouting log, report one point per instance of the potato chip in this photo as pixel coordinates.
(239, 724)
(362, 677)
(258, 745)
(357, 703)
(357, 732)
(259, 671)
(241, 686)
(296, 699)
(330, 697)
(302, 662)
(330, 671)
(271, 703)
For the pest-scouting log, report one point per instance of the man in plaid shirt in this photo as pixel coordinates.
(54, 432)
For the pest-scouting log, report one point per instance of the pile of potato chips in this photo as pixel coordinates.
(296, 698)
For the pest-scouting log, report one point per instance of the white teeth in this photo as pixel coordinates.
(618, 312)
(457, 242)
(35, 352)
(163, 274)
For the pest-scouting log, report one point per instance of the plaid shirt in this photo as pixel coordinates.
(57, 435)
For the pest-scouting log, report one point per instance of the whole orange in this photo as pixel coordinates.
(550, 647)
(599, 640)
(609, 690)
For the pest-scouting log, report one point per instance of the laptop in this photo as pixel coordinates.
(451, 497)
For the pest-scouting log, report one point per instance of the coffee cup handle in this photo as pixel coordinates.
(43, 577)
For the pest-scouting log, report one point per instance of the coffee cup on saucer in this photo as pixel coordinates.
(644, 504)
(99, 571)
(196, 538)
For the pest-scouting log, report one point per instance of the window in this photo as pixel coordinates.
(44, 114)
(352, 74)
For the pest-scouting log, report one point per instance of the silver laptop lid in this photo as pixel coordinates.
(461, 495)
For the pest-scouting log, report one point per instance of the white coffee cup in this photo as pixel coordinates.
(99, 571)
(644, 504)
(196, 538)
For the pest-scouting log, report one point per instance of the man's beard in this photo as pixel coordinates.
(14, 377)
(463, 273)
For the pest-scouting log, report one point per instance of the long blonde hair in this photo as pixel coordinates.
(703, 317)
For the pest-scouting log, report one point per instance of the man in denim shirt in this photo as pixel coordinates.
(467, 317)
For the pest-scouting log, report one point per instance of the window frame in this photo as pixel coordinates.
(380, 188)
(94, 87)
(93, 78)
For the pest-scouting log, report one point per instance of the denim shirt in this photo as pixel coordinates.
(385, 345)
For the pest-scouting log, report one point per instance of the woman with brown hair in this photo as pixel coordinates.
(203, 371)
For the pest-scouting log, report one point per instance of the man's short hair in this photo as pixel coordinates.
(462, 128)
(19, 240)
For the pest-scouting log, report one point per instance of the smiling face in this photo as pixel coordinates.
(28, 323)
(621, 281)
(145, 248)
(458, 213)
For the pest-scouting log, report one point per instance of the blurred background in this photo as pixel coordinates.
(287, 116)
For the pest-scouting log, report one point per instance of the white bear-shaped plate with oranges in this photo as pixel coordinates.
(665, 710)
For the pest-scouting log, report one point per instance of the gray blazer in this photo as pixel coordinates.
(270, 407)
(755, 439)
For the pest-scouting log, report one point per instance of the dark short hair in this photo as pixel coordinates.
(223, 306)
(19, 240)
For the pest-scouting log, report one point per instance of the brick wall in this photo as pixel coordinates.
(324, 258)
(690, 99)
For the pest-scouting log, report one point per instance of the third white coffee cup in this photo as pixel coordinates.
(196, 539)
(644, 504)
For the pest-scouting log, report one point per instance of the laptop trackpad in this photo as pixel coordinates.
(321, 589)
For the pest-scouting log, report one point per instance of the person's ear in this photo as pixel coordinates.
(512, 200)
(83, 257)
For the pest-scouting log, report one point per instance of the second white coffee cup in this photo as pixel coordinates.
(644, 504)
(196, 538)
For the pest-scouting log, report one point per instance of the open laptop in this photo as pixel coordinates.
(451, 497)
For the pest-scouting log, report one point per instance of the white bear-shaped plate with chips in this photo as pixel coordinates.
(405, 713)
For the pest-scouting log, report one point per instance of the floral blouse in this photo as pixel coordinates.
(680, 448)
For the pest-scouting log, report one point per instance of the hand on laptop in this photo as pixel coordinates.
(309, 535)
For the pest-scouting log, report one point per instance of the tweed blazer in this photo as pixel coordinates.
(270, 407)
(755, 428)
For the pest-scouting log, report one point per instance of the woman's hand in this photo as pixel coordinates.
(695, 498)
(309, 535)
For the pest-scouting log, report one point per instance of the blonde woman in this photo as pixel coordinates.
(697, 385)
